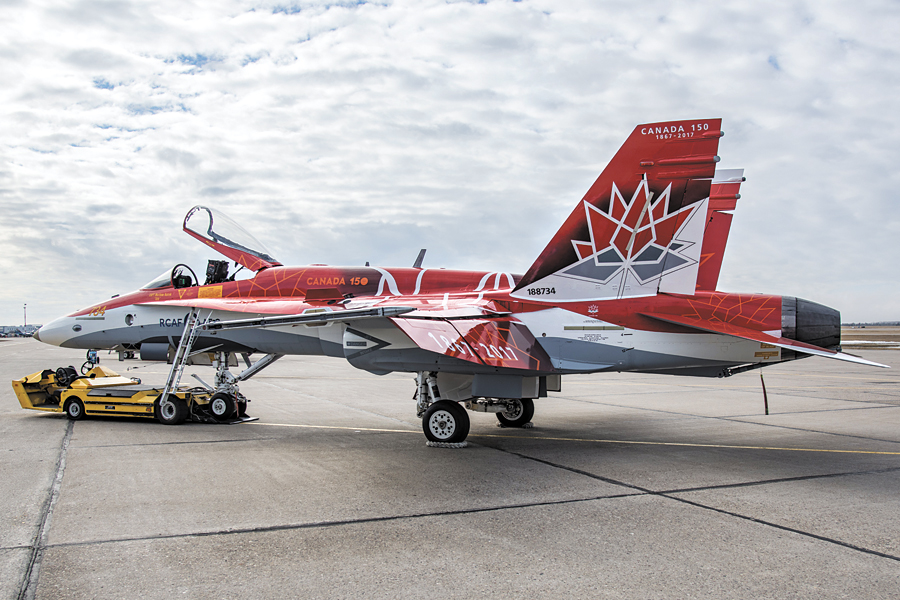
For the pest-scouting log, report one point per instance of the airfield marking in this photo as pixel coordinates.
(597, 441)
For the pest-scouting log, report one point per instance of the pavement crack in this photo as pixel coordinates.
(668, 495)
(809, 534)
(342, 522)
(726, 486)
(39, 543)
(176, 443)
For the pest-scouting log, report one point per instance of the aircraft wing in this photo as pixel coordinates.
(441, 307)
(436, 307)
(758, 336)
(282, 312)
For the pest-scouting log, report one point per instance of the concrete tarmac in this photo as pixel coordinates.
(628, 486)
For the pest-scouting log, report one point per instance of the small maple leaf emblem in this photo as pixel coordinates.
(637, 236)
(592, 309)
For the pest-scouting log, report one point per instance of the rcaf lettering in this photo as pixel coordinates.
(325, 281)
(171, 322)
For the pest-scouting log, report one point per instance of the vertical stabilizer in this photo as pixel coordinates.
(639, 229)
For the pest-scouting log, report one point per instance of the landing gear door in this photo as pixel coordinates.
(220, 232)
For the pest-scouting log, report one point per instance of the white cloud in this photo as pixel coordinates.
(342, 132)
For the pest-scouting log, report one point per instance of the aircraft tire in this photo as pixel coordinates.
(222, 406)
(446, 421)
(74, 409)
(521, 414)
(174, 414)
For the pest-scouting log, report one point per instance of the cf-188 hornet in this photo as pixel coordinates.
(628, 283)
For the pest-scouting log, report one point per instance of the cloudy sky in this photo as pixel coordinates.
(345, 132)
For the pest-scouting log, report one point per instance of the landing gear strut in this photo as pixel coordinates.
(228, 402)
(445, 423)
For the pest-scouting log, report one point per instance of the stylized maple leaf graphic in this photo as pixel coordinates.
(637, 235)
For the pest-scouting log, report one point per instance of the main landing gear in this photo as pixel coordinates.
(446, 422)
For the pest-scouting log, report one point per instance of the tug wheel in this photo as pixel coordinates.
(222, 406)
(74, 409)
(174, 412)
(519, 412)
(446, 421)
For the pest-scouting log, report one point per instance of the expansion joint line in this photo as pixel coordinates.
(668, 495)
(39, 543)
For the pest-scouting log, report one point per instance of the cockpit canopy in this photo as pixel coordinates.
(220, 232)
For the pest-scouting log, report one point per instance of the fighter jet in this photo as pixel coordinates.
(628, 283)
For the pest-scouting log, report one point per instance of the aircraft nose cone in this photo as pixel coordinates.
(57, 332)
(37, 335)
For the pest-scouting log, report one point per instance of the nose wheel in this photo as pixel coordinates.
(222, 406)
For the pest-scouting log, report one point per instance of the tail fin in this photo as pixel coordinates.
(639, 229)
(723, 196)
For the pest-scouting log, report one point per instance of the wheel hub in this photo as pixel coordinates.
(513, 411)
(442, 424)
(218, 407)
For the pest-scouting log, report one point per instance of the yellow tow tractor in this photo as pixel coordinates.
(101, 391)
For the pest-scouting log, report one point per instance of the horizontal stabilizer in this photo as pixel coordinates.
(759, 336)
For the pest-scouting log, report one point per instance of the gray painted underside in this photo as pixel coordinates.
(568, 356)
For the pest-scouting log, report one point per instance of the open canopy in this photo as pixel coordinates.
(220, 232)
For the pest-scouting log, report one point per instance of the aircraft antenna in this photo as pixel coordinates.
(419, 259)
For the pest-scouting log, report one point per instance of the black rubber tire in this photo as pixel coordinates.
(74, 409)
(175, 414)
(222, 406)
(446, 421)
(522, 414)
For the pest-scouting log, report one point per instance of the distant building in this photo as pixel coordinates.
(18, 330)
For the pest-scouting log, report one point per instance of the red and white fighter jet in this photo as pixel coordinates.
(628, 283)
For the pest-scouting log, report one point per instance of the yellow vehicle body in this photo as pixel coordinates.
(100, 391)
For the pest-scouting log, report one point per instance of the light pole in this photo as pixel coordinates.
(25, 315)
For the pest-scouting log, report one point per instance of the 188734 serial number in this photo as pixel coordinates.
(541, 291)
